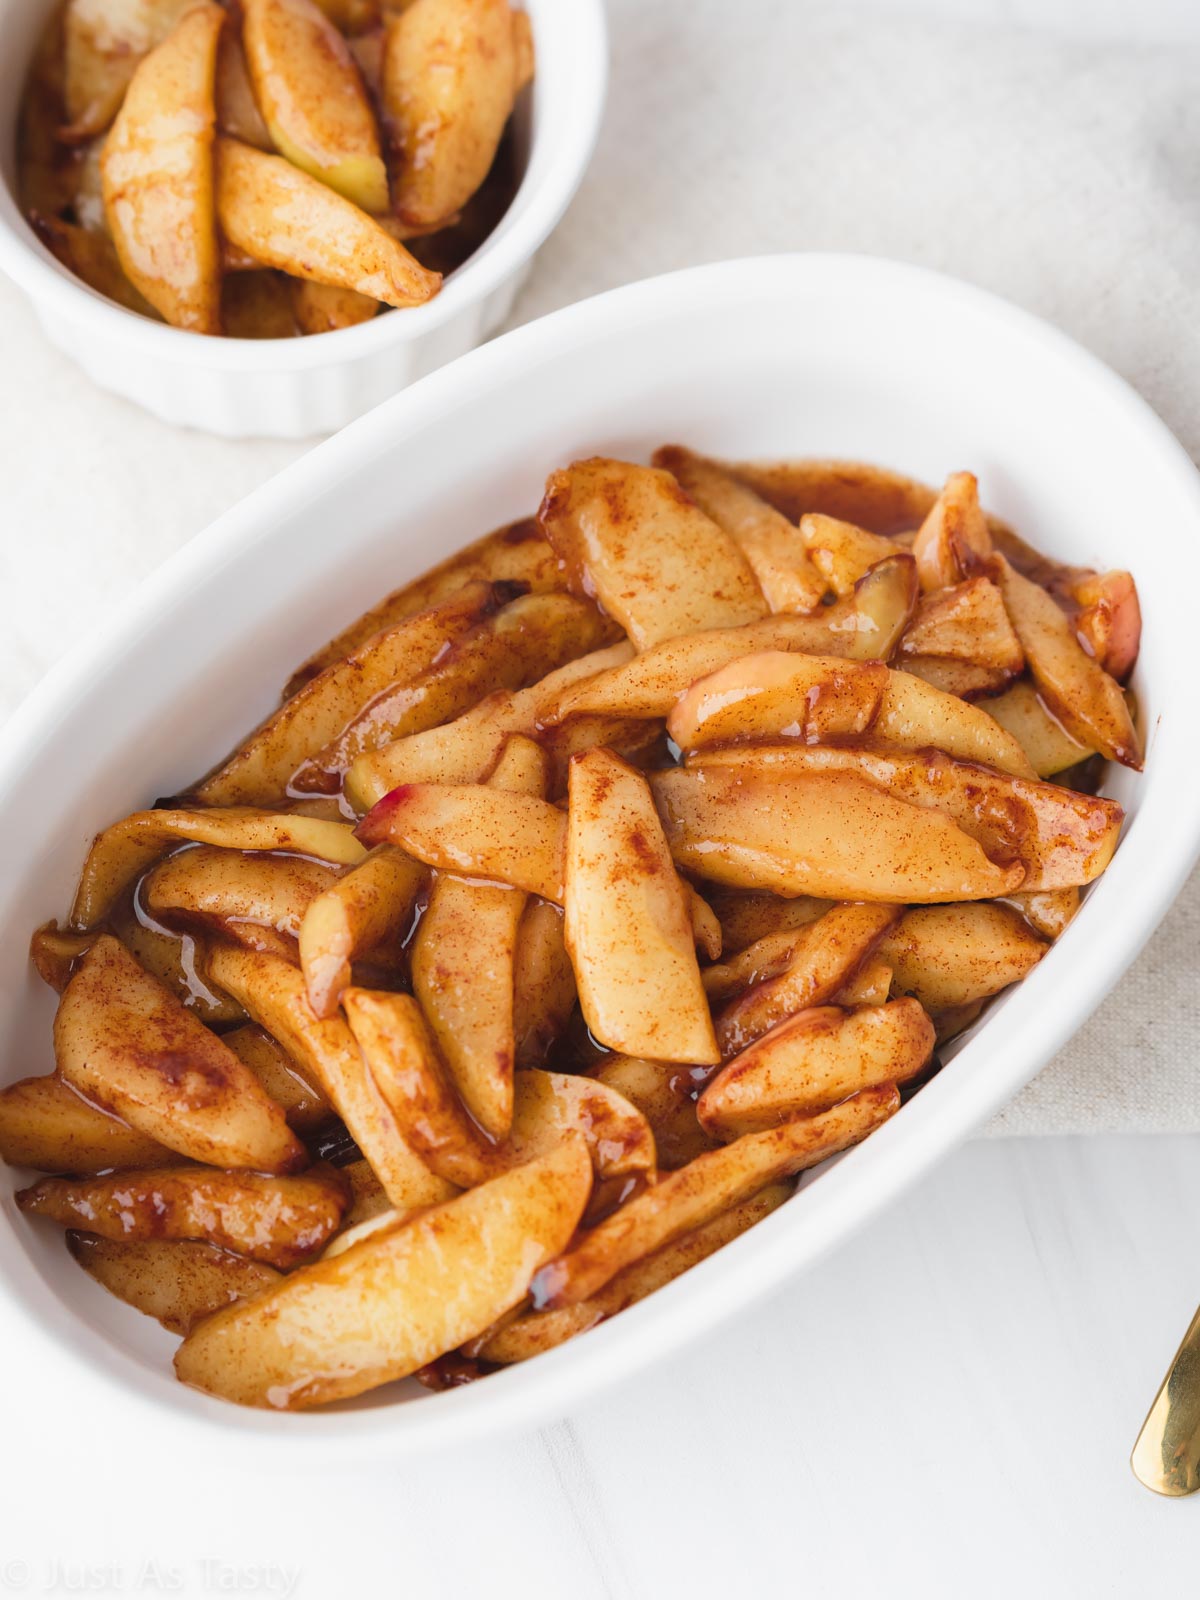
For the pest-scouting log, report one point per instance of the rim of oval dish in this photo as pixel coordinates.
(852, 1188)
(512, 243)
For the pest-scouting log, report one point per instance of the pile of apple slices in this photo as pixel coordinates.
(576, 898)
(254, 169)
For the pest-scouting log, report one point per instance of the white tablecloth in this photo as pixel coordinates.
(1059, 167)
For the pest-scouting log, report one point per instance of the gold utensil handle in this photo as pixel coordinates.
(1166, 1457)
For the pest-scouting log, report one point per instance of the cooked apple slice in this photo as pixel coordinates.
(300, 1099)
(746, 916)
(481, 832)
(371, 904)
(770, 543)
(178, 1282)
(774, 693)
(916, 716)
(323, 307)
(1078, 690)
(864, 627)
(124, 1040)
(954, 540)
(260, 769)
(1048, 747)
(450, 76)
(947, 956)
(272, 991)
(312, 98)
(811, 1061)
(832, 834)
(627, 921)
(544, 990)
(462, 964)
(825, 957)
(547, 1105)
(207, 885)
(630, 536)
(666, 1096)
(515, 553)
(103, 42)
(764, 959)
(537, 1331)
(464, 750)
(123, 852)
(706, 1187)
(968, 623)
(396, 1300)
(405, 1064)
(46, 1125)
(157, 169)
(523, 640)
(281, 1221)
(841, 553)
(1109, 621)
(1061, 838)
(286, 219)
(870, 986)
(238, 114)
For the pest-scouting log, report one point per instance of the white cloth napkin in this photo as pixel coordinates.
(1062, 171)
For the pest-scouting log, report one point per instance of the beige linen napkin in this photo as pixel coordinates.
(1060, 171)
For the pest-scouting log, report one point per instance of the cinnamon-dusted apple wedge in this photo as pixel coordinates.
(465, 749)
(103, 43)
(968, 624)
(397, 1299)
(954, 541)
(126, 1042)
(831, 834)
(706, 1187)
(373, 903)
(1048, 746)
(312, 98)
(286, 219)
(451, 71)
(770, 543)
(863, 627)
(544, 989)
(47, 1125)
(157, 170)
(628, 926)
(631, 537)
(282, 1221)
(206, 885)
(841, 552)
(812, 1060)
(463, 964)
(1109, 621)
(178, 1282)
(1081, 694)
(259, 770)
(272, 991)
(947, 956)
(123, 852)
(1062, 839)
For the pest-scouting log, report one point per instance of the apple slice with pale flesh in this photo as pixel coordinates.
(178, 1282)
(627, 921)
(127, 1043)
(947, 956)
(284, 218)
(632, 538)
(397, 1299)
(157, 170)
(373, 903)
(954, 539)
(312, 98)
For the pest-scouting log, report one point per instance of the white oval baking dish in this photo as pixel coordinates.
(817, 355)
(295, 388)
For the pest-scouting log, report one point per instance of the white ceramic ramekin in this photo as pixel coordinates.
(294, 388)
(821, 356)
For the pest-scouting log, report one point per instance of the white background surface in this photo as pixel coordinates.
(948, 1405)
